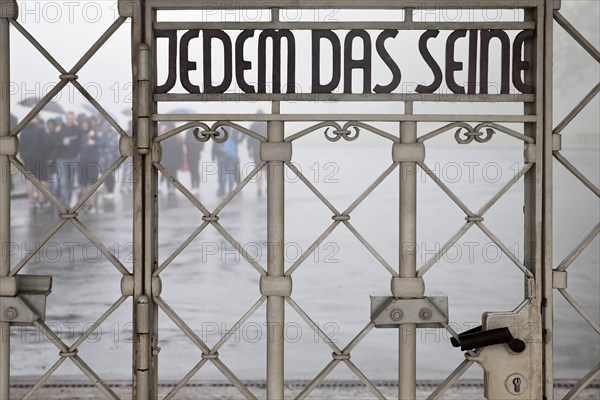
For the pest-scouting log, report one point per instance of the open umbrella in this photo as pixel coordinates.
(50, 107)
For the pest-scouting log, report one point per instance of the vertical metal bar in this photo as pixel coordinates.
(534, 54)
(275, 263)
(145, 359)
(4, 196)
(407, 365)
(548, 318)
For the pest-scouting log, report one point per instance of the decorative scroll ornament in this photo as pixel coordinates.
(216, 134)
(471, 134)
(342, 132)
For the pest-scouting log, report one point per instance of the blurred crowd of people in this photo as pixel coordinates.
(68, 155)
(184, 153)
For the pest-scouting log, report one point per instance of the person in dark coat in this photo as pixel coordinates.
(194, 148)
(33, 149)
(67, 158)
(89, 163)
(172, 154)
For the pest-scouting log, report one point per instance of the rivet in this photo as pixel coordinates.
(11, 313)
(396, 314)
(425, 314)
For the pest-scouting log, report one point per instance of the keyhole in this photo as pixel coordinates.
(517, 383)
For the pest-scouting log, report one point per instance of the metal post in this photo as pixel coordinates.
(534, 54)
(407, 366)
(275, 264)
(4, 190)
(548, 158)
(146, 209)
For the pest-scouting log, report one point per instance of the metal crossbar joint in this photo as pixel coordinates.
(427, 312)
(557, 4)
(156, 286)
(474, 218)
(276, 286)
(8, 286)
(210, 218)
(340, 357)
(530, 153)
(69, 216)
(556, 142)
(408, 152)
(559, 279)
(9, 146)
(341, 217)
(156, 149)
(127, 8)
(210, 356)
(23, 298)
(69, 77)
(281, 151)
(126, 146)
(72, 353)
(9, 9)
(408, 288)
(127, 285)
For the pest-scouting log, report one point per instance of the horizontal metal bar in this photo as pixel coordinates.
(320, 97)
(345, 25)
(341, 4)
(345, 117)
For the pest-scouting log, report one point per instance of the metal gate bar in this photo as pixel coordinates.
(5, 239)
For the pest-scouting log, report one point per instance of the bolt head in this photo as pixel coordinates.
(11, 313)
(396, 314)
(425, 314)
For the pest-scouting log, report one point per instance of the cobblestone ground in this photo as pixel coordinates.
(338, 390)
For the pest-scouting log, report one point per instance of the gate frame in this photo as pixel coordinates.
(537, 118)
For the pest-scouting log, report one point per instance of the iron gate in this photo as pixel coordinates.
(520, 373)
